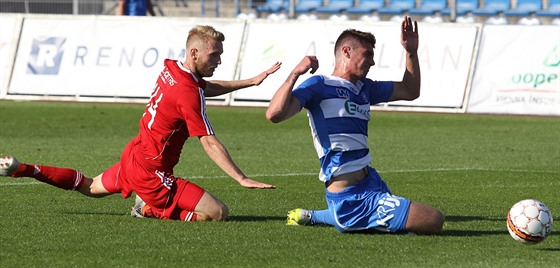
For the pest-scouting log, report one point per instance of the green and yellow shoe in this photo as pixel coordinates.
(298, 216)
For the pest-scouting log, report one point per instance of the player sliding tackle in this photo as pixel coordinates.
(175, 112)
(339, 110)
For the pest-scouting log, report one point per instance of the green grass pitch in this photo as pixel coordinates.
(472, 167)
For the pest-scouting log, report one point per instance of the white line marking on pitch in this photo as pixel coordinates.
(314, 173)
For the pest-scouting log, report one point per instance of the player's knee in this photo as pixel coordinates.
(424, 219)
(437, 222)
(433, 222)
(210, 208)
(221, 213)
(218, 212)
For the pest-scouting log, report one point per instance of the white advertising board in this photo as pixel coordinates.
(517, 71)
(287, 42)
(8, 40)
(107, 56)
(445, 55)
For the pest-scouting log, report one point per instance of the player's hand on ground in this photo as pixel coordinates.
(251, 184)
(308, 63)
(262, 76)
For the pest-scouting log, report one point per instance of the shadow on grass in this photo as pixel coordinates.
(473, 232)
(94, 213)
(445, 233)
(550, 249)
(457, 232)
(230, 218)
(255, 218)
(472, 218)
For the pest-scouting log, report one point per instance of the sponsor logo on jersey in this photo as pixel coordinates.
(353, 108)
(167, 77)
(342, 93)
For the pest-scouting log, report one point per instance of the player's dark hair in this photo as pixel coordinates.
(354, 35)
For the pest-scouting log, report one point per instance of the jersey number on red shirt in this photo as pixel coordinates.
(153, 105)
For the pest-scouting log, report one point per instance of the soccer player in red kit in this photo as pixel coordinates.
(176, 111)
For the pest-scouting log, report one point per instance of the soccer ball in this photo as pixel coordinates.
(529, 221)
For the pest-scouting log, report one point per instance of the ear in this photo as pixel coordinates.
(346, 51)
(193, 53)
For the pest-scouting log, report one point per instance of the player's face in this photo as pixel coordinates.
(361, 60)
(209, 58)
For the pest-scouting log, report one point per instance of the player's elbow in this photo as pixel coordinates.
(279, 113)
(274, 120)
(414, 94)
(406, 91)
(273, 117)
(410, 93)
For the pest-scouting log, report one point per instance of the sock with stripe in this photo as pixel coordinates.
(64, 178)
(188, 215)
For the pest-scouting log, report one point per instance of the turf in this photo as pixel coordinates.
(472, 167)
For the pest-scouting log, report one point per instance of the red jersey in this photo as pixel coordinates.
(176, 111)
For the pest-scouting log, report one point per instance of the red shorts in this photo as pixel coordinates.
(169, 197)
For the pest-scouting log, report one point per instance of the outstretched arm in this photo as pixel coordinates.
(218, 87)
(409, 87)
(283, 105)
(219, 154)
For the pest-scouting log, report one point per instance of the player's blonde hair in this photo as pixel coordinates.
(204, 33)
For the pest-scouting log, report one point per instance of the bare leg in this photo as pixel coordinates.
(210, 208)
(423, 219)
(93, 187)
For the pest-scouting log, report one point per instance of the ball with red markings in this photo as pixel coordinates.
(529, 221)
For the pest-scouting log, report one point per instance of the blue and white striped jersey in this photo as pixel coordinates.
(339, 113)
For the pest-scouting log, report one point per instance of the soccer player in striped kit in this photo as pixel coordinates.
(176, 111)
(338, 107)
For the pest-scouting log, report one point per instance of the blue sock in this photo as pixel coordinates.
(322, 217)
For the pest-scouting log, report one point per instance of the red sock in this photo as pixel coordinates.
(64, 178)
(188, 215)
